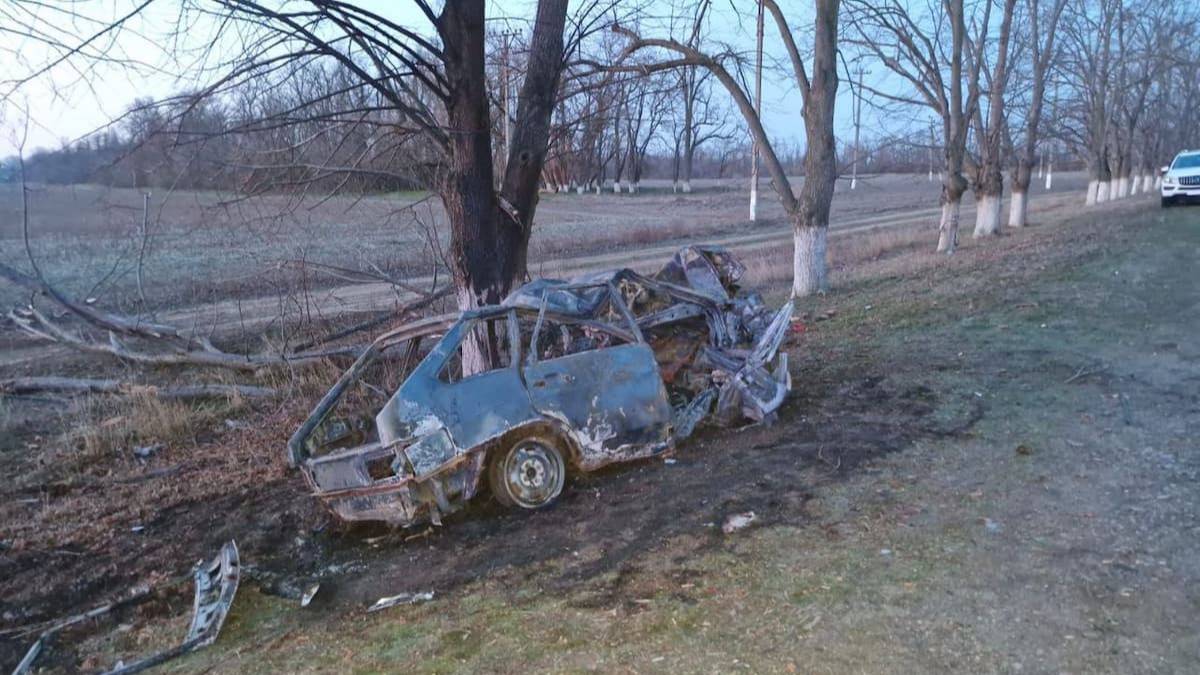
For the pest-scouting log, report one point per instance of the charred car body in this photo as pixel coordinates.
(562, 376)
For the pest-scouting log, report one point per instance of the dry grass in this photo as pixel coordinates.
(850, 256)
(103, 431)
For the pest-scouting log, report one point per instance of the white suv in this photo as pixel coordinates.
(1181, 180)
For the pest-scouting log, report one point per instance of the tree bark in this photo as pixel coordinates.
(1042, 52)
(483, 269)
(820, 162)
(531, 132)
(990, 185)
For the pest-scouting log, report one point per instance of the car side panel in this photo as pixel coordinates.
(613, 401)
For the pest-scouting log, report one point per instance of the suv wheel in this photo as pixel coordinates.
(529, 474)
(1167, 201)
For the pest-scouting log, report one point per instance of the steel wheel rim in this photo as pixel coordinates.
(533, 475)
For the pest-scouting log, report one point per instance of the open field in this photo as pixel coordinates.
(987, 464)
(206, 247)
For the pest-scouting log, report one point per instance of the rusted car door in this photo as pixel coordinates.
(480, 406)
(609, 392)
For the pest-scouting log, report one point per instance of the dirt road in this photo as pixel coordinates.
(225, 316)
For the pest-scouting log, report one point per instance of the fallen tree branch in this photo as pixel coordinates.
(39, 325)
(416, 305)
(70, 385)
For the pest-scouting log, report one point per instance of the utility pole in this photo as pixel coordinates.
(931, 144)
(859, 71)
(1050, 150)
(506, 91)
(757, 111)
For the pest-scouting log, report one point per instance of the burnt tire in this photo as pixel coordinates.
(529, 474)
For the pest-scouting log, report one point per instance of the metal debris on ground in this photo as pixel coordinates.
(147, 451)
(738, 521)
(561, 376)
(216, 584)
(309, 594)
(402, 599)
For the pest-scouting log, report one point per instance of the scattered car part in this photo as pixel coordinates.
(738, 521)
(309, 594)
(402, 599)
(561, 376)
(216, 584)
(138, 595)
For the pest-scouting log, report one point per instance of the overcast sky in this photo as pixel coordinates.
(75, 99)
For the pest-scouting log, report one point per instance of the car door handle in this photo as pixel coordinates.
(549, 377)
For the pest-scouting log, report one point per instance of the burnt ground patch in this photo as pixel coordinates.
(843, 413)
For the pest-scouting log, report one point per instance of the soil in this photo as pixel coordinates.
(1018, 422)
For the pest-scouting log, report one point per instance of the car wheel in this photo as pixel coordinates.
(530, 474)
(1166, 202)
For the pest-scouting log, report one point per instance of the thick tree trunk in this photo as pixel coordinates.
(990, 186)
(987, 202)
(482, 266)
(810, 245)
(811, 225)
(490, 232)
(531, 134)
(948, 227)
(1018, 208)
(953, 187)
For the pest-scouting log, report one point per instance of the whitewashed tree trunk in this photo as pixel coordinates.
(1018, 208)
(1134, 183)
(616, 187)
(579, 189)
(687, 186)
(987, 216)
(1104, 191)
(948, 227)
(1093, 192)
(808, 260)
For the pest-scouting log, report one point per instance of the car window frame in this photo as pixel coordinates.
(614, 297)
(464, 327)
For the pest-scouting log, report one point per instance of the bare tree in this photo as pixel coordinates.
(931, 52)
(810, 213)
(990, 132)
(1041, 34)
(1088, 69)
(429, 88)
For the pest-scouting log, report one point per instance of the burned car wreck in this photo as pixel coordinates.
(561, 376)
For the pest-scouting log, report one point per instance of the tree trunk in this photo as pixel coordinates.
(820, 162)
(1019, 205)
(990, 185)
(987, 202)
(953, 187)
(808, 259)
(688, 155)
(531, 135)
(482, 265)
